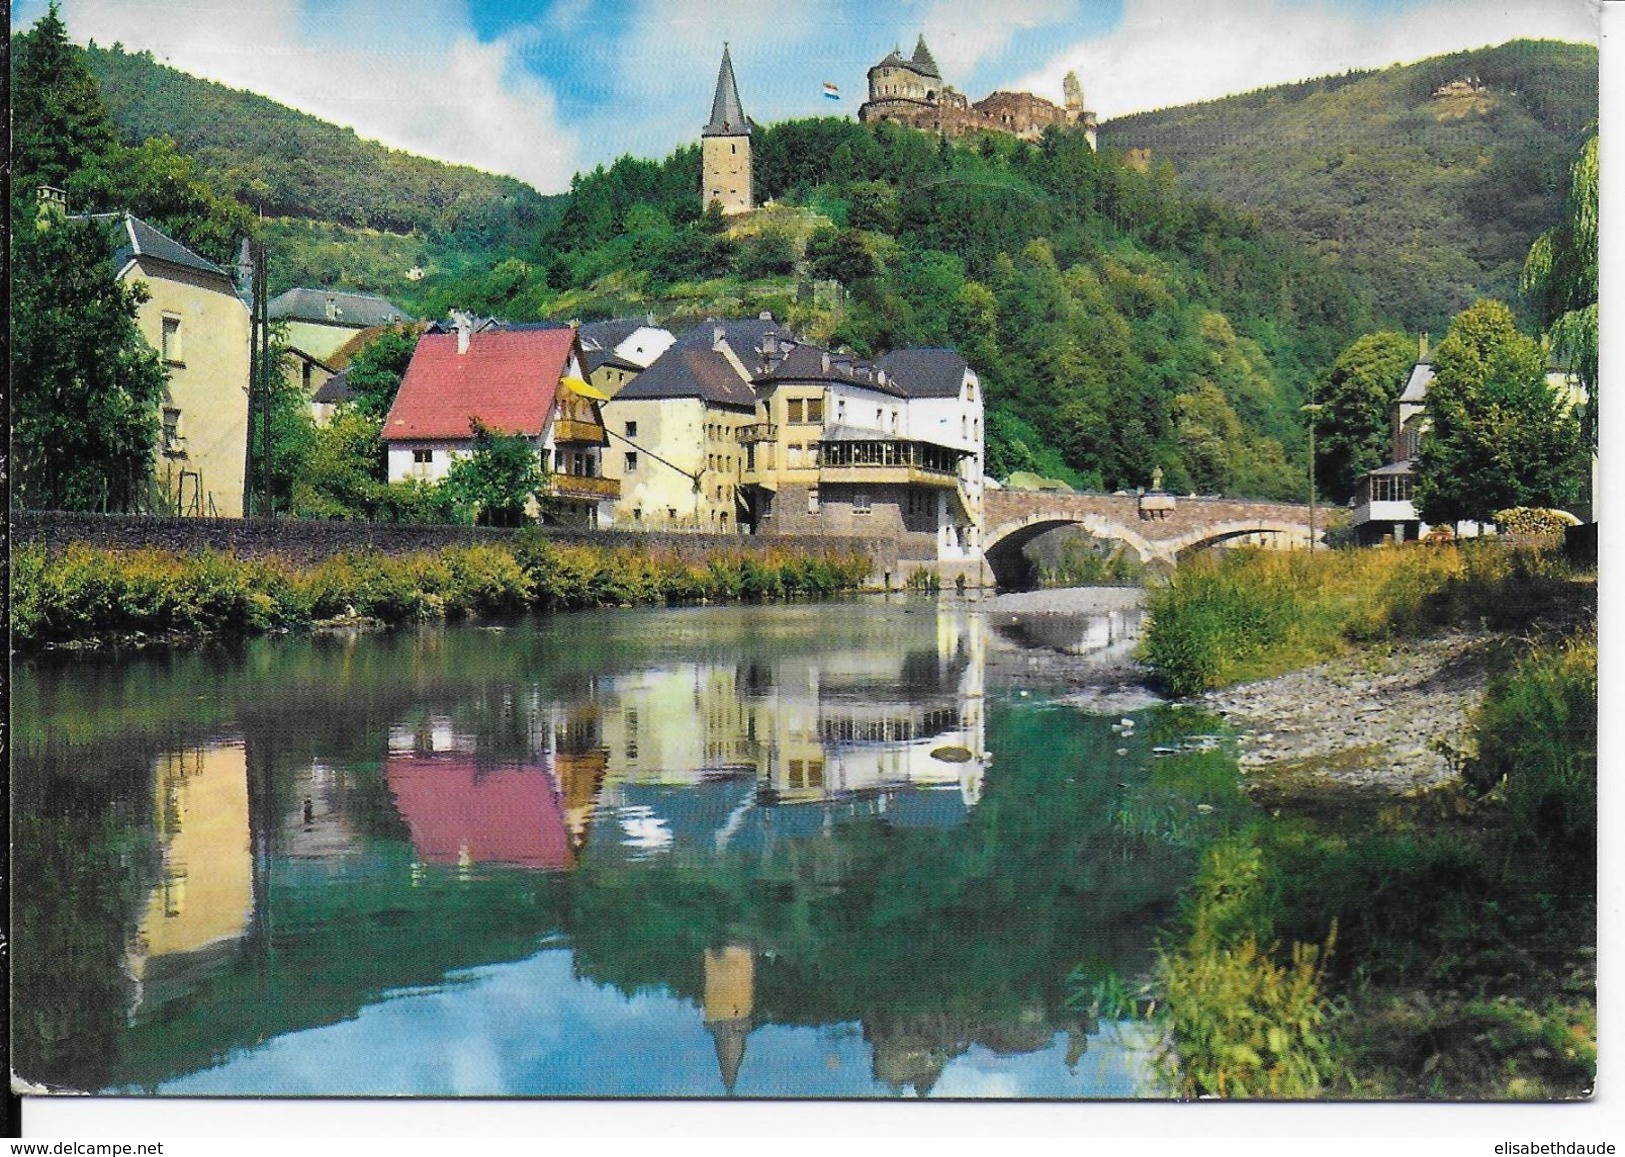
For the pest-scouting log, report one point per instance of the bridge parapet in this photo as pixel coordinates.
(1157, 527)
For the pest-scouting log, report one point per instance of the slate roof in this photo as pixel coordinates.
(508, 379)
(728, 117)
(1416, 386)
(130, 237)
(597, 359)
(743, 335)
(805, 363)
(335, 390)
(923, 61)
(692, 373)
(609, 334)
(358, 310)
(929, 372)
(894, 58)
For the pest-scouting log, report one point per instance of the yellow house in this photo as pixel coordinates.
(200, 328)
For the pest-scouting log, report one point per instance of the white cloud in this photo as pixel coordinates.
(1171, 52)
(413, 76)
(962, 33)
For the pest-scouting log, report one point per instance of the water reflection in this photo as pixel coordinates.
(759, 851)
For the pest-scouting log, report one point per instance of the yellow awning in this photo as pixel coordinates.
(585, 389)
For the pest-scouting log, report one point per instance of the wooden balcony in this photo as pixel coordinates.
(759, 432)
(571, 430)
(580, 486)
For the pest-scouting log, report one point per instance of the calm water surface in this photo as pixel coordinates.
(776, 851)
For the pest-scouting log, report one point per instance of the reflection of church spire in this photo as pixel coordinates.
(730, 984)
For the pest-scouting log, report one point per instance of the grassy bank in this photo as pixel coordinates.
(1440, 945)
(87, 595)
(1252, 614)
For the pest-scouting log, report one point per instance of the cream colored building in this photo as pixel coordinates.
(675, 445)
(200, 328)
(322, 321)
(205, 898)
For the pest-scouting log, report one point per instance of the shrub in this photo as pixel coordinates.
(1239, 1023)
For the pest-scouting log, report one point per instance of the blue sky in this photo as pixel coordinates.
(545, 88)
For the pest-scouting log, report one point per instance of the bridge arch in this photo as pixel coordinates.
(1002, 545)
(1294, 533)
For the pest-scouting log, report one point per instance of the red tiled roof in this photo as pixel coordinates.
(506, 815)
(508, 380)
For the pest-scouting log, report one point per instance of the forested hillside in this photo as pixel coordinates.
(1119, 325)
(318, 188)
(1431, 200)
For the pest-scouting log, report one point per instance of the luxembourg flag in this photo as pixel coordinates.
(831, 92)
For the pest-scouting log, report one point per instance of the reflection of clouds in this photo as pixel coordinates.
(644, 830)
(533, 1028)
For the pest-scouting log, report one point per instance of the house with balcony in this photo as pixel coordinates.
(521, 379)
(1384, 508)
(675, 439)
(844, 447)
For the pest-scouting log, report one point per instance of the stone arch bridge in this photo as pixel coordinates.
(1158, 528)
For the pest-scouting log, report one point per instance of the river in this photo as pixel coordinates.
(850, 849)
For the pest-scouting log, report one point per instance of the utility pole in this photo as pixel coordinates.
(262, 316)
(1313, 409)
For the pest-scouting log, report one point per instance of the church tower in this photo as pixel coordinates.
(725, 147)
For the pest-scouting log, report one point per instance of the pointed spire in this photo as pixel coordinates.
(923, 62)
(727, 114)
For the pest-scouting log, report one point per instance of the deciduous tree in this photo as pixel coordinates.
(1353, 428)
(1499, 436)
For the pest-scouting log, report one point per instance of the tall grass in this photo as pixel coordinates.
(1250, 614)
(86, 594)
(1240, 1020)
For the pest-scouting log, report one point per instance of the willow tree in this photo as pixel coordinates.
(1560, 278)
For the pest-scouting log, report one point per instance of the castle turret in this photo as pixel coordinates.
(725, 147)
(923, 61)
(1076, 113)
(730, 990)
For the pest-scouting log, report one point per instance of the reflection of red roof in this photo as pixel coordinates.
(507, 379)
(503, 815)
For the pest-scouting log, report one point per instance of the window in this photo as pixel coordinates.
(797, 410)
(860, 504)
(631, 461)
(172, 431)
(840, 410)
(812, 500)
(815, 409)
(422, 457)
(172, 339)
(794, 462)
(631, 429)
(637, 514)
(812, 453)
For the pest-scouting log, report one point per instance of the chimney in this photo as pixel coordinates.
(826, 361)
(765, 315)
(53, 204)
(465, 328)
(649, 318)
(717, 334)
(245, 268)
(1422, 346)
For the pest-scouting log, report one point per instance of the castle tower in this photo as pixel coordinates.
(725, 147)
(730, 992)
(1076, 114)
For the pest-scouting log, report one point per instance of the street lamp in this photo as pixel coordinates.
(1313, 409)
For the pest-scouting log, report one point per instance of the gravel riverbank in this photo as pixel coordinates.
(1390, 718)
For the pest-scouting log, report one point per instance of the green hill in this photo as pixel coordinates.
(321, 190)
(1428, 192)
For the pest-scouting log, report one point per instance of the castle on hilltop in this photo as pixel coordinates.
(912, 92)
